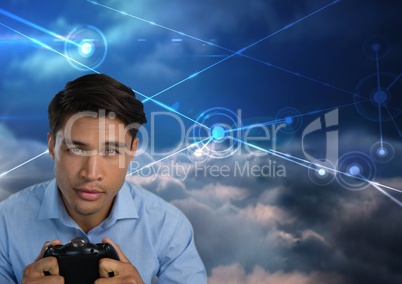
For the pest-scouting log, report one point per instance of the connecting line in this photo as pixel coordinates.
(168, 156)
(239, 52)
(295, 160)
(48, 47)
(375, 185)
(300, 75)
(335, 171)
(24, 163)
(282, 120)
(206, 144)
(35, 26)
(286, 157)
(380, 124)
(189, 77)
(95, 71)
(385, 186)
(379, 104)
(393, 82)
(393, 121)
(169, 108)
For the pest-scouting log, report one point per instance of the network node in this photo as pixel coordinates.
(292, 119)
(198, 153)
(321, 173)
(380, 97)
(288, 120)
(370, 96)
(382, 152)
(218, 132)
(376, 47)
(86, 48)
(354, 170)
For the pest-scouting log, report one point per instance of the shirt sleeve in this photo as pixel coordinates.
(6, 271)
(180, 262)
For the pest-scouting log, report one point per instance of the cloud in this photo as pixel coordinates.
(236, 274)
(254, 228)
(15, 152)
(249, 226)
(56, 66)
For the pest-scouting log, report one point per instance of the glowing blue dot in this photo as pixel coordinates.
(198, 153)
(86, 48)
(376, 47)
(380, 97)
(321, 172)
(354, 170)
(288, 120)
(218, 132)
(382, 152)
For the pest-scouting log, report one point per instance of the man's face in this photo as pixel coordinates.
(91, 156)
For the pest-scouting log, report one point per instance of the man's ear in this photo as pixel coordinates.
(134, 146)
(50, 145)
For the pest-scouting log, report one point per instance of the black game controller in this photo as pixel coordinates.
(79, 260)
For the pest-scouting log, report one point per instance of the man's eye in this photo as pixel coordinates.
(76, 150)
(111, 151)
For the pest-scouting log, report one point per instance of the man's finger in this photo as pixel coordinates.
(122, 257)
(40, 267)
(45, 245)
(121, 272)
(107, 267)
(49, 265)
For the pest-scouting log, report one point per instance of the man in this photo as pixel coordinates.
(93, 125)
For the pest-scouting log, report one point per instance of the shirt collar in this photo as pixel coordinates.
(124, 206)
(52, 206)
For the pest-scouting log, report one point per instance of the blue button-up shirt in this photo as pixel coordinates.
(154, 235)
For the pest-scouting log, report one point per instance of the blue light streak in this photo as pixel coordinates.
(283, 120)
(37, 27)
(393, 121)
(239, 52)
(166, 157)
(41, 44)
(377, 186)
(379, 104)
(300, 162)
(393, 82)
(24, 163)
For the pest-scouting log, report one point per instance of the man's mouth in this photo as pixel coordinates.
(89, 194)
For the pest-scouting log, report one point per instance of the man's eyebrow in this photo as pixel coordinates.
(116, 144)
(73, 142)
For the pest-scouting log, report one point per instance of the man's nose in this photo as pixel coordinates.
(92, 168)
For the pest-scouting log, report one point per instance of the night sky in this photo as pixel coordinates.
(274, 125)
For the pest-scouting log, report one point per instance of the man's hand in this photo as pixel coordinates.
(123, 270)
(37, 271)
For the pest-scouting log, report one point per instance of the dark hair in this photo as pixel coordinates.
(96, 92)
